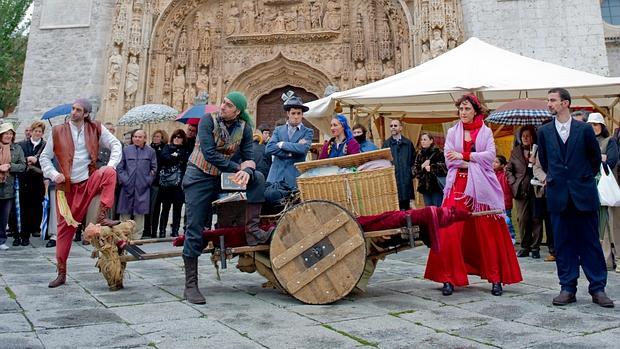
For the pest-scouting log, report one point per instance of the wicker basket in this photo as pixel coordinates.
(363, 193)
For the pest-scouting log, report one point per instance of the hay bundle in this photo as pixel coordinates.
(106, 241)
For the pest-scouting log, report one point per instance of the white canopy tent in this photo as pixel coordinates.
(495, 75)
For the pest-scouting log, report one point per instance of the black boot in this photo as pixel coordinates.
(496, 289)
(162, 234)
(447, 289)
(254, 235)
(17, 241)
(192, 292)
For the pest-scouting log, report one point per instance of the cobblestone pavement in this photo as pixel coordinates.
(400, 309)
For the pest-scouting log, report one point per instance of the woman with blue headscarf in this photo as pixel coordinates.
(342, 142)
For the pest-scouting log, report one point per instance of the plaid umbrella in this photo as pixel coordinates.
(521, 112)
(148, 114)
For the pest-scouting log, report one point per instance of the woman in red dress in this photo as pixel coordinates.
(479, 245)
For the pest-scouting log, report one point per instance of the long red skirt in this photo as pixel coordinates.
(478, 246)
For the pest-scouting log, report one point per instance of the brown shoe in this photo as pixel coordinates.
(550, 258)
(62, 276)
(102, 217)
(601, 299)
(564, 298)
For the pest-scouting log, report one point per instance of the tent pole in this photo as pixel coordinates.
(596, 106)
(497, 131)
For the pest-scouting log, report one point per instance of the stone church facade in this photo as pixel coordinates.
(123, 53)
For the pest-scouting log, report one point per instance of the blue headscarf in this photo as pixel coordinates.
(345, 124)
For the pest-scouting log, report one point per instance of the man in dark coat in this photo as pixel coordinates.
(570, 156)
(403, 153)
(136, 173)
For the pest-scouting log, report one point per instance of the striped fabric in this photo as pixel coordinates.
(225, 144)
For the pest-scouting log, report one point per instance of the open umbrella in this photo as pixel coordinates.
(148, 114)
(196, 112)
(63, 109)
(521, 112)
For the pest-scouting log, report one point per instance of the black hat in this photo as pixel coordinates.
(292, 101)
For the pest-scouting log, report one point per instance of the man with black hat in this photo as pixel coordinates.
(220, 136)
(75, 146)
(290, 143)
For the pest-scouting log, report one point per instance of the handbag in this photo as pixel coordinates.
(608, 190)
(441, 180)
(170, 176)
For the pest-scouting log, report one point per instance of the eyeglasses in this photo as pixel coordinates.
(394, 126)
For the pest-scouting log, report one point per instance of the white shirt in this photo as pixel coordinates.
(35, 144)
(81, 158)
(563, 128)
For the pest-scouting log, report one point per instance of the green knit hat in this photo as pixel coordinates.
(241, 102)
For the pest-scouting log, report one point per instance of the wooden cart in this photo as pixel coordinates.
(319, 253)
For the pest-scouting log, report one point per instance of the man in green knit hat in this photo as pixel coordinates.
(220, 136)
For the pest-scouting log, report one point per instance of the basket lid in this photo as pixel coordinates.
(347, 161)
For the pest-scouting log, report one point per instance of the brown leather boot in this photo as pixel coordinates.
(102, 217)
(62, 275)
(192, 292)
(254, 235)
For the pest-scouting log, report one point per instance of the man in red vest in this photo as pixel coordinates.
(75, 146)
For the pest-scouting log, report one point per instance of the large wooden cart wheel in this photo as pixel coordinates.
(318, 252)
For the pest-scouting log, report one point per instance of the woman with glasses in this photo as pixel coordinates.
(342, 142)
(174, 158)
(479, 245)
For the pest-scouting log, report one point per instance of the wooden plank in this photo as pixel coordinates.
(154, 255)
(244, 249)
(379, 233)
(320, 267)
(158, 255)
(150, 241)
(310, 240)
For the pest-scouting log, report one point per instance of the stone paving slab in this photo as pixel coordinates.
(307, 337)
(28, 340)
(193, 333)
(393, 331)
(8, 305)
(112, 335)
(505, 334)
(72, 317)
(159, 312)
(14, 322)
(67, 301)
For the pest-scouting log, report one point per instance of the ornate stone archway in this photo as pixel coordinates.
(278, 72)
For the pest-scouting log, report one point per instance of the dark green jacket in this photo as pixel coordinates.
(18, 165)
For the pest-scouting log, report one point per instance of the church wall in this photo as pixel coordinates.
(613, 57)
(64, 63)
(565, 32)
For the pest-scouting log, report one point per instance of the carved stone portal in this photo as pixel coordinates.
(168, 51)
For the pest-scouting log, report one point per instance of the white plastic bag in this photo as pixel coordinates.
(608, 190)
